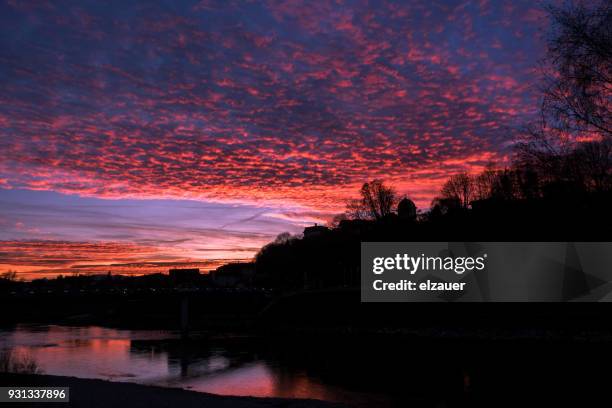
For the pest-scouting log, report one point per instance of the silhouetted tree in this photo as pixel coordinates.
(527, 183)
(377, 201)
(569, 149)
(594, 162)
(9, 276)
(459, 187)
(355, 209)
(282, 238)
(337, 219)
(505, 186)
(484, 183)
(578, 88)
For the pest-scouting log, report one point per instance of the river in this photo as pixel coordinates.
(380, 371)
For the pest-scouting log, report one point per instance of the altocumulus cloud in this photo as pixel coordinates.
(269, 101)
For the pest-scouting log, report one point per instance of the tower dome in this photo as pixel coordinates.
(406, 209)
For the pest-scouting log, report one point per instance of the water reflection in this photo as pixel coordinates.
(229, 367)
(87, 352)
(381, 371)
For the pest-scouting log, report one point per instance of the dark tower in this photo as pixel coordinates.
(406, 209)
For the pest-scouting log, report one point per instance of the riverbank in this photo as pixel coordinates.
(89, 393)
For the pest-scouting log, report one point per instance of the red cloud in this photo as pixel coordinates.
(280, 101)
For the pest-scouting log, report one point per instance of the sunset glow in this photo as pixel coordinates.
(143, 135)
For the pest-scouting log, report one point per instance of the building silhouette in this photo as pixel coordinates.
(406, 209)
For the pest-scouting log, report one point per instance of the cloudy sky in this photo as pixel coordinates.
(146, 133)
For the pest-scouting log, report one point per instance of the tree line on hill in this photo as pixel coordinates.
(557, 188)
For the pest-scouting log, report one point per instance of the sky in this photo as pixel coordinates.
(136, 135)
